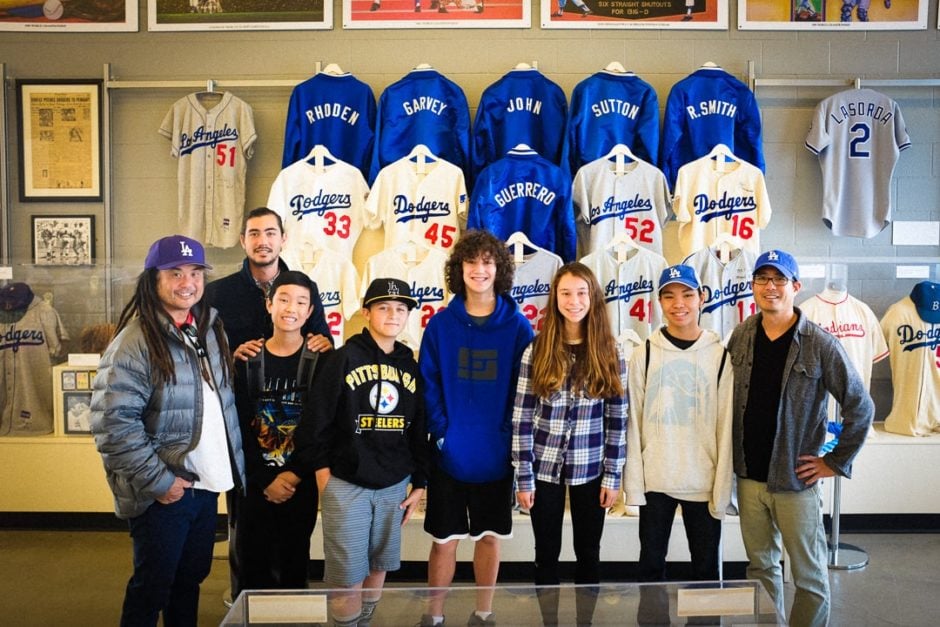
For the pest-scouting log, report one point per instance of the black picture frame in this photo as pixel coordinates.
(63, 240)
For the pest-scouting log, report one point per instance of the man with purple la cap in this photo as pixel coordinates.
(784, 366)
(164, 421)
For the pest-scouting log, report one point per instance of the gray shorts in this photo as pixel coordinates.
(361, 530)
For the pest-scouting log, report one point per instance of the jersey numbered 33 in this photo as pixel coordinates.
(857, 135)
(213, 146)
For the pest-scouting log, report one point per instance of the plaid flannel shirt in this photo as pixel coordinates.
(567, 438)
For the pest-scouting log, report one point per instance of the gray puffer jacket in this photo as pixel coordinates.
(144, 434)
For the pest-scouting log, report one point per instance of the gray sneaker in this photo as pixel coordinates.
(427, 621)
(476, 621)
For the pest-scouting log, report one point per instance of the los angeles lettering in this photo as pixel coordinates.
(723, 207)
(626, 291)
(520, 293)
(619, 208)
(201, 138)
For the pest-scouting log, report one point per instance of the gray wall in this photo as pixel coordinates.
(144, 184)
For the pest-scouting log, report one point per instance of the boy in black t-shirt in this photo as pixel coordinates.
(279, 511)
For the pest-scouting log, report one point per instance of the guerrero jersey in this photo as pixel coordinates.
(709, 201)
(419, 200)
(635, 202)
(707, 108)
(522, 107)
(426, 108)
(856, 326)
(729, 295)
(857, 135)
(531, 284)
(30, 340)
(338, 282)
(212, 147)
(629, 289)
(610, 108)
(324, 207)
(335, 111)
(914, 346)
(424, 271)
(525, 192)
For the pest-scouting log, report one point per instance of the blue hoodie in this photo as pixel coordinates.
(470, 374)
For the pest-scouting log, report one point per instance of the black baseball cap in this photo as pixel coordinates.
(389, 289)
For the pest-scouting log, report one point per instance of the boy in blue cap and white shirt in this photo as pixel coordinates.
(679, 432)
(784, 365)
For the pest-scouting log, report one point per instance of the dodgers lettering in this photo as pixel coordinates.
(911, 339)
(332, 110)
(422, 210)
(302, 205)
(14, 338)
(424, 103)
(723, 207)
(712, 107)
(615, 106)
(524, 190)
(427, 293)
(727, 294)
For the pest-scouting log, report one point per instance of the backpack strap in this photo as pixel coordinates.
(255, 375)
(306, 367)
(647, 370)
(721, 368)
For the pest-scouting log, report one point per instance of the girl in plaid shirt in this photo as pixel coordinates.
(569, 424)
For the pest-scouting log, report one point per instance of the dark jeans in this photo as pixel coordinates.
(172, 556)
(587, 525)
(702, 531)
(273, 547)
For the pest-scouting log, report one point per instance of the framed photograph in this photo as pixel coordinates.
(77, 409)
(216, 15)
(832, 14)
(437, 14)
(69, 16)
(60, 140)
(635, 14)
(63, 240)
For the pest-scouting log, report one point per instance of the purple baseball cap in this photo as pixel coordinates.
(782, 261)
(175, 251)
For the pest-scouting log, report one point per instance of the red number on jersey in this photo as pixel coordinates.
(426, 312)
(742, 227)
(938, 356)
(640, 230)
(642, 309)
(446, 233)
(338, 225)
(334, 320)
(745, 310)
(535, 316)
(222, 158)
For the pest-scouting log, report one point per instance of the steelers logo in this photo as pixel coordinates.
(383, 400)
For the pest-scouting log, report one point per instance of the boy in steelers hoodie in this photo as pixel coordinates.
(363, 431)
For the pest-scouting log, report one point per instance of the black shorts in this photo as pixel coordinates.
(457, 509)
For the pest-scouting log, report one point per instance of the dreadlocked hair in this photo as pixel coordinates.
(599, 375)
(145, 305)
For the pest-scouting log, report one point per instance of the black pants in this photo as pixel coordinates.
(701, 530)
(587, 525)
(273, 545)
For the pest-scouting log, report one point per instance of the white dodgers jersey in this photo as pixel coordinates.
(714, 197)
(531, 284)
(635, 202)
(856, 327)
(213, 147)
(914, 346)
(338, 283)
(416, 199)
(728, 293)
(423, 270)
(324, 206)
(629, 288)
(857, 135)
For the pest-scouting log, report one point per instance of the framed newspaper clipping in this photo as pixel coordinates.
(832, 15)
(59, 128)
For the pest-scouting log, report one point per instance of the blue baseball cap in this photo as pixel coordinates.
(679, 274)
(782, 261)
(175, 251)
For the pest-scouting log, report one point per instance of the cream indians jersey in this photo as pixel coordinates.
(713, 197)
(629, 287)
(212, 147)
(320, 206)
(423, 269)
(728, 293)
(424, 200)
(635, 202)
(337, 282)
(531, 284)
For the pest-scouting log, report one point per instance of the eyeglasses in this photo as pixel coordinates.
(762, 279)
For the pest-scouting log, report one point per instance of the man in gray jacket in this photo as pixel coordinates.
(164, 421)
(785, 366)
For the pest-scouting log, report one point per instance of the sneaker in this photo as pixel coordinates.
(687, 17)
(375, 6)
(862, 15)
(365, 617)
(476, 621)
(586, 12)
(427, 621)
(846, 13)
(558, 14)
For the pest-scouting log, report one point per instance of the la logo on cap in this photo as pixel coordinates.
(773, 256)
(185, 250)
(392, 289)
(674, 273)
